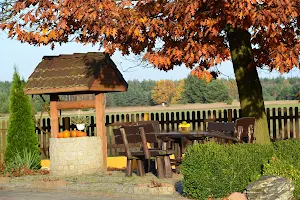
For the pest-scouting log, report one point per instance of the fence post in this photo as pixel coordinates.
(280, 123)
(297, 122)
(3, 140)
(292, 134)
(229, 115)
(274, 123)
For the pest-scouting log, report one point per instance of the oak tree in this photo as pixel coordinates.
(163, 91)
(177, 96)
(196, 33)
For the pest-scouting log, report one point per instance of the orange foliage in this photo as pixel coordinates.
(162, 91)
(187, 31)
(178, 92)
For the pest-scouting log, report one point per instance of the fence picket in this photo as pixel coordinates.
(297, 123)
(285, 123)
(291, 116)
(280, 131)
(268, 118)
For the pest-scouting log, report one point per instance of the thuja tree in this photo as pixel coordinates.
(196, 33)
(21, 130)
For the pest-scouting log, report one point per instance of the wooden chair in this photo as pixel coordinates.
(221, 128)
(244, 129)
(137, 135)
(226, 128)
(132, 150)
(155, 129)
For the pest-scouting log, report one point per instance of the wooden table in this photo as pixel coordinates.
(179, 138)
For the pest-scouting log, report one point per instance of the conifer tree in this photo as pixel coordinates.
(21, 130)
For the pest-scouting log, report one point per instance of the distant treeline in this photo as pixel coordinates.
(189, 90)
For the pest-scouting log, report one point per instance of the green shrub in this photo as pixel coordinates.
(21, 129)
(284, 169)
(288, 150)
(24, 160)
(286, 162)
(213, 170)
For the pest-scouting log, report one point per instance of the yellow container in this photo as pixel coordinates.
(45, 163)
(146, 116)
(118, 162)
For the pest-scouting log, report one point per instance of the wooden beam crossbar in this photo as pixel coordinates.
(75, 104)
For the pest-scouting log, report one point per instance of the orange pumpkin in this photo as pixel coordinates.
(81, 134)
(66, 134)
(60, 135)
(78, 133)
(74, 133)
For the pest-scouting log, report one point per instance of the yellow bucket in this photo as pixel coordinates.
(45, 163)
(146, 116)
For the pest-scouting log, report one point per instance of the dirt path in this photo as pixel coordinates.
(33, 194)
(111, 185)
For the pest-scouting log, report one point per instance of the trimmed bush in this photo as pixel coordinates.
(288, 151)
(284, 169)
(286, 162)
(213, 170)
(21, 130)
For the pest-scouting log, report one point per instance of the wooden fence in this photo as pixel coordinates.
(283, 123)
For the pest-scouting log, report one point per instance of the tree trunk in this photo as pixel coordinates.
(249, 87)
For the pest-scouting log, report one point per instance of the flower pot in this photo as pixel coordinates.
(80, 126)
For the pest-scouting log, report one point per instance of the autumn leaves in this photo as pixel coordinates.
(167, 33)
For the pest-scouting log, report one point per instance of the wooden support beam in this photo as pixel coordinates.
(54, 116)
(100, 125)
(75, 104)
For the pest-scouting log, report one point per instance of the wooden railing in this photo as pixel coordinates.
(283, 123)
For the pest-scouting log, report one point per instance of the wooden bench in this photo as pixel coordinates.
(136, 135)
(242, 129)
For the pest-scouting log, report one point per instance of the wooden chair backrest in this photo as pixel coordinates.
(155, 125)
(139, 135)
(244, 129)
(223, 127)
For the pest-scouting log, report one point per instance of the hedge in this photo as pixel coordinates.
(213, 170)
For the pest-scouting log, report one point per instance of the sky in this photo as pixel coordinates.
(26, 57)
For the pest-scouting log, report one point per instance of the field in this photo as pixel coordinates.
(197, 106)
(177, 107)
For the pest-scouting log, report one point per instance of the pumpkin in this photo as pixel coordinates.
(74, 133)
(60, 135)
(81, 134)
(66, 134)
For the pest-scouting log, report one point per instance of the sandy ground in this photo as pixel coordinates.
(34, 194)
(107, 186)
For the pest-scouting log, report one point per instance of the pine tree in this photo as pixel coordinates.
(194, 90)
(21, 129)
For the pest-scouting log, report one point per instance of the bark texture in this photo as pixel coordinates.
(249, 86)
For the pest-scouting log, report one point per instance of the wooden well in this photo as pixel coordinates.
(79, 73)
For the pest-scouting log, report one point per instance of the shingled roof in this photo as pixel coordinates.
(75, 73)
